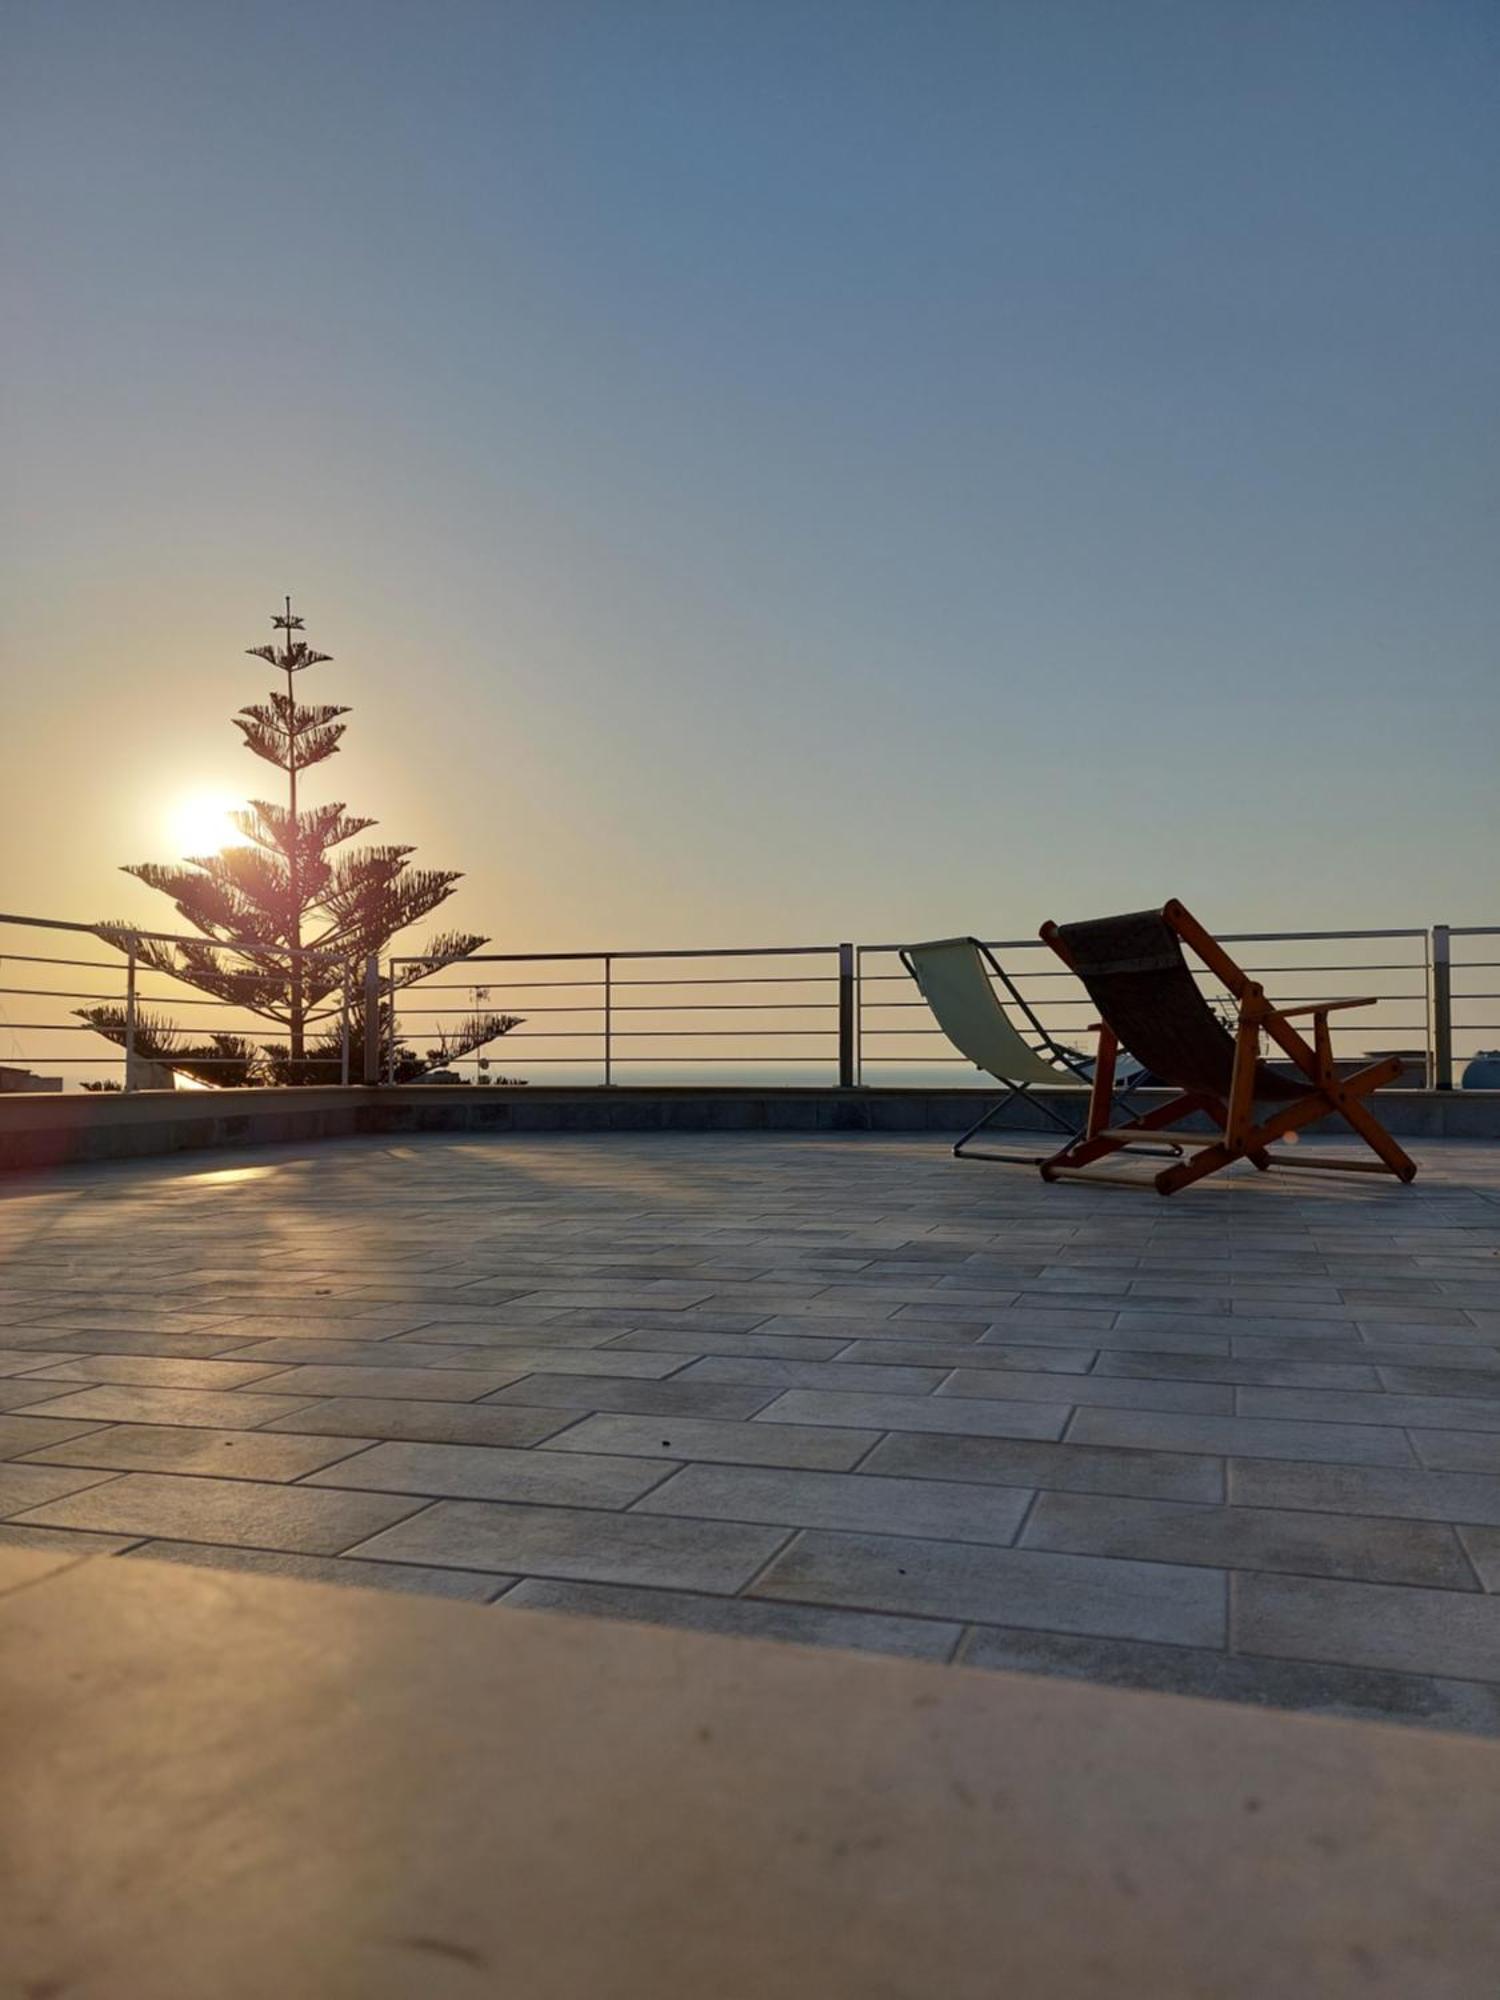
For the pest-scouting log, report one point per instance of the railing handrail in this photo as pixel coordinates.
(1224, 937)
(540, 957)
(102, 932)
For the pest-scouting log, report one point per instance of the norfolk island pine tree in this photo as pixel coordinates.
(285, 921)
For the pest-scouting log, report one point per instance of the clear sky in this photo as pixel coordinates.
(767, 471)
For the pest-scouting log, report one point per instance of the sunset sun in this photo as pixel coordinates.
(199, 822)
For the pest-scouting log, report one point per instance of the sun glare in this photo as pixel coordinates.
(199, 823)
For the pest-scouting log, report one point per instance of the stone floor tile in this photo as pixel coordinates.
(19, 1391)
(867, 1327)
(1266, 1374)
(583, 1545)
(389, 1417)
(938, 1354)
(1448, 1382)
(1251, 1537)
(631, 1397)
(1108, 1391)
(1243, 1437)
(713, 1441)
(664, 1340)
(1340, 1352)
(275, 1355)
(1129, 1600)
(1449, 1360)
(72, 1541)
(1475, 1413)
(335, 1319)
(1483, 1545)
(1234, 1325)
(1161, 1475)
(19, 1436)
(743, 1617)
(1358, 1693)
(489, 1472)
(977, 1416)
(129, 1319)
(1157, 1337)
(438, 1385)
(1068, 1324)
(476, 1587)
(695, 1319)
(1445, 1632)
(855, 1500)
(151, 1371)
(841, 1375)
(26, 1486)
(112, 1403)
(1361, 1489)
(499, 1342)
(26, 1361)
(224, 1510)
(181, 1448)
(1458, 1451)
(555, 1361)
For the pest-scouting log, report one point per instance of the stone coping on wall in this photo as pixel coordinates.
(44, 1131)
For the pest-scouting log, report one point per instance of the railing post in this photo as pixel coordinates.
(390, 1051)
(372, 1019)
(129, 1083)
(847, 1011)
(1442, 1009)
(344, 1023)
(609, 1052)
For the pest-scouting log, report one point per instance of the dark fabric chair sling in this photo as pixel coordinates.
(1150, 1004)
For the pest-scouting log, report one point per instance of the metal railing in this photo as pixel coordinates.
(1397, 967)
(127, 981)
(618, 1002)
(843, 1014)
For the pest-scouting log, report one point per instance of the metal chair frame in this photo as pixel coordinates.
(1077, 1067)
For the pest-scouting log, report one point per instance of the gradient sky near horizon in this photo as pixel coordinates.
(766, 472)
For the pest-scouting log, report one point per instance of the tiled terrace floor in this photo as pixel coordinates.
(849, 1391)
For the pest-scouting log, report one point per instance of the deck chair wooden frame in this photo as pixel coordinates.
(1149, 1003)
(950, 975)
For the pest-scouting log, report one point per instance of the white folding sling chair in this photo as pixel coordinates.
(953, 977)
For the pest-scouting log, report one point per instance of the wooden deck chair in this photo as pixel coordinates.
(951, 977)
(1150, 1003)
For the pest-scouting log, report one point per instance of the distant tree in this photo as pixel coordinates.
(284, 919)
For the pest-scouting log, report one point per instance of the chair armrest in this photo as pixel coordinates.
(1324, 1007)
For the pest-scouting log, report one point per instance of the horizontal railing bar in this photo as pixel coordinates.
(162, 937)
(1199, 973)
(57, 993)
(1382, 999)
(664, 1007)
(31, 958)
(1224, 937)
(559, 957)
(1334, 1028)
(547, 985)
(51, 1027)
(655, 1034)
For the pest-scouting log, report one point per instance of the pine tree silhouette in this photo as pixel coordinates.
(299, 917)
